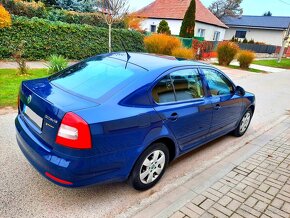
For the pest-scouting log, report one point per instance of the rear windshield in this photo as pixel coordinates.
(94, 79)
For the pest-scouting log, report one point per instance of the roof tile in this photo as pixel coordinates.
(175, 9)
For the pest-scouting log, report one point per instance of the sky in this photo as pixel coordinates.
(250, 7)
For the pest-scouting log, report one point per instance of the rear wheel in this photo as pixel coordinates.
(244, 124)
(150, 167)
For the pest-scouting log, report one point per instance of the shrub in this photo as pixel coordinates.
(161, 44)
(226, 52)
(202, 48)
(38, 9)
(72, 41)
(181, 52)
(245, 58)
(5, 18)
(56, 63)
(164, 28)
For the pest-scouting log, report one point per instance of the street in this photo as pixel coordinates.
(24, 193)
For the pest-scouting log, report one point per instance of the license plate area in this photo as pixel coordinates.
(32, 117)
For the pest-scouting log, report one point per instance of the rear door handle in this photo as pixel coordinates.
(173, 116)
(217, 107)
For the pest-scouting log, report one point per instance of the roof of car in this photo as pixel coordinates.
(152, 62)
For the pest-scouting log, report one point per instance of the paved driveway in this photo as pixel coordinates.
(23, 192)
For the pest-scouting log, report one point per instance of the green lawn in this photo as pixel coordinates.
(10, 82)
(285, 63)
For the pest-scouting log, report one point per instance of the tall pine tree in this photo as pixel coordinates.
(188, 23)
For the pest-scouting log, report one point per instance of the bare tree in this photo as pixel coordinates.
(221, 8)
(113, 11)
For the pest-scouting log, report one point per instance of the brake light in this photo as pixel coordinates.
(74, 132)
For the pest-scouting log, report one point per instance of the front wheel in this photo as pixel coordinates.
(244, 124)
(150, 167)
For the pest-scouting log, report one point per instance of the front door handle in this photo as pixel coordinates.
(173, 116)
(217, 107)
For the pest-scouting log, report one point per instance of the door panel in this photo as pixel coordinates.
(192, 123)
(226, 105)
(189, 114)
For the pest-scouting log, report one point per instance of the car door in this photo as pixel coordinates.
(227, 106)
(180, 101)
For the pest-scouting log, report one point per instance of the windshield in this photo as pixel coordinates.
(94, 78)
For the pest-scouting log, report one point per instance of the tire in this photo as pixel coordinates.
(147, 173)
(243, 124)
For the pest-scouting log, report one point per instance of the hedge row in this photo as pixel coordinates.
(44, 38)
(37, 9)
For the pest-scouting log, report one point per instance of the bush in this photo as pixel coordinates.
(245, 58)
(202, 48)
(56, 63)
(45, 38)
(186, 53)
(226, 52)
(164, 28)
(5, 18)
(38, 9)
(161, 44)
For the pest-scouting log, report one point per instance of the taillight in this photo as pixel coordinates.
(74, 132)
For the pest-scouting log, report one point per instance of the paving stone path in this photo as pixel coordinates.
(258, 187)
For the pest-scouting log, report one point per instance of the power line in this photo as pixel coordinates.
(284, 2)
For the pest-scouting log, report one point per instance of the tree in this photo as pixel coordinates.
(221, 8)
(164, 28)
(133, 21)
(5, 18)
(76, 5)
(113, 11)
(269, 13)
(188, 23)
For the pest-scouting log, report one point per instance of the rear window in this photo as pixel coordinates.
(93, 79)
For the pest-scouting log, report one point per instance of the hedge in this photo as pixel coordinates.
(37, 9)
(44, 38)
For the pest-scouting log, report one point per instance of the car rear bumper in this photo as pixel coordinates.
(75, 171)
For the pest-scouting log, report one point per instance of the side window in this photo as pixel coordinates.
(178, 86)
(218, 83)
(187, 84)
(163, 91)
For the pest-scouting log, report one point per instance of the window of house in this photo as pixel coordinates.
(153, 28)
(201, 32)
(216, 36)
(180, 85)
(241, 34)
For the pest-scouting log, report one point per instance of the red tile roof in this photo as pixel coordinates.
(175, 9)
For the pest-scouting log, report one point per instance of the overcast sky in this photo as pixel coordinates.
(251, 7)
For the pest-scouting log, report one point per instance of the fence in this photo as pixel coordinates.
(257, 48)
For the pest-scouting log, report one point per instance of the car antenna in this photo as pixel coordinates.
(128, 56)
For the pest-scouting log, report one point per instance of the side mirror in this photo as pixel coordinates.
(240, 91)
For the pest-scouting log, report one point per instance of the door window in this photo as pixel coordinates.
(180, 85)
(218, 83)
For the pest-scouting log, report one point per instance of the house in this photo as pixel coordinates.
(207, 25)
(267, 29)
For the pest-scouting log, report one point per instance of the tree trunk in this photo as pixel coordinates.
(110, 38)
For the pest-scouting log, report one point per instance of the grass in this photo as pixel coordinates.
(285, 63)
(10, 82)
(238, 68)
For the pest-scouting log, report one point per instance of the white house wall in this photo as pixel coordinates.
(175, 26)
(270, 37)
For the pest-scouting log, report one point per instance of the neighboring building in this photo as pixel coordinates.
(207, 25)
(267, 29)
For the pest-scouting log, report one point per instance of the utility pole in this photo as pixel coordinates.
(285, 41)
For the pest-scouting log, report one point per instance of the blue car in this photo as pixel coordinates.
(110, 118)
